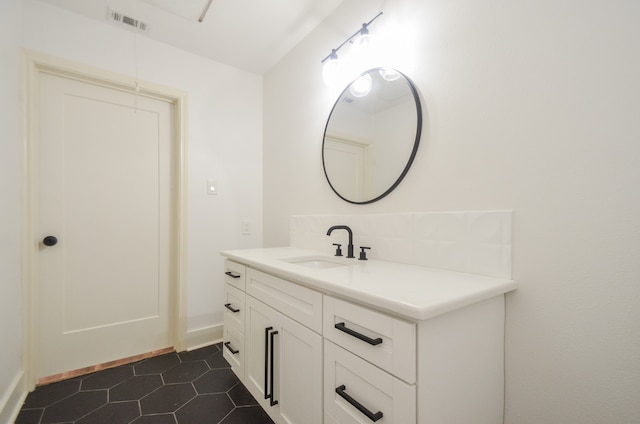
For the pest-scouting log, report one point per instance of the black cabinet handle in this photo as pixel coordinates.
(268, 364)
(228, 346)
(374, 342)
(373, 417)
(273, 401)
(229, 307)
(232, 275)
(266, 361)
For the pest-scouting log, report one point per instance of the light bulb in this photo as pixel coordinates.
(389, 74)
(363, 41)
(362, 86)
(331, 69)
(331, 72)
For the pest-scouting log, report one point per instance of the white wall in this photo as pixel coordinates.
(529, 106)
(224, 135)
(11, 203)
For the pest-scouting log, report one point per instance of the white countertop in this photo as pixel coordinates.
(409, 291)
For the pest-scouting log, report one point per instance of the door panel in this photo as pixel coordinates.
(258, 317)
(105, 193)
(300, 374)
(347, 163)
(297, 365)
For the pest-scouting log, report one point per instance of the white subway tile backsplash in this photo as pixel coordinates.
(477, 242)
(487, 227)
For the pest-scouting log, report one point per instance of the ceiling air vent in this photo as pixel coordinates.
(127, 20)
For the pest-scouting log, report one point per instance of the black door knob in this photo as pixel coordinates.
(50, 241)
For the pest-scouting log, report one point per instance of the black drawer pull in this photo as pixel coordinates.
(373, 417)
(232, 275)
(374, 342)
(229, 307)
(228, 346)
(272, 402)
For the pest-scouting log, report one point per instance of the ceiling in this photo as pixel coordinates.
(248, 34)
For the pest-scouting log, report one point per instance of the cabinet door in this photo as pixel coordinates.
(260, 321)
(296, 369)
(299, 389)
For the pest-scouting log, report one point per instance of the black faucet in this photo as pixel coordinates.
(350, 246)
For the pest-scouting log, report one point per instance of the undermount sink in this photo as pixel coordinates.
(318, 262)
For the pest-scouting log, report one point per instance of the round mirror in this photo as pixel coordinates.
(372, 135)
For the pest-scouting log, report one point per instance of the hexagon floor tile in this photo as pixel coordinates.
(194, 387)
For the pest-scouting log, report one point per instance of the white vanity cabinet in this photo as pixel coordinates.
(344, 346)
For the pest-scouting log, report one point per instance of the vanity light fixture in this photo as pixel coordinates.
(331, 63)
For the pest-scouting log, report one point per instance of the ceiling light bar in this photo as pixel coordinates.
(361, 32)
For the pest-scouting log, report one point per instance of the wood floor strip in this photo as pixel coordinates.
(88, 370)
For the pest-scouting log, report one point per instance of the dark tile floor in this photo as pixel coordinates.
(196, 387)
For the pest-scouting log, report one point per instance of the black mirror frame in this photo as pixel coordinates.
(416, 98)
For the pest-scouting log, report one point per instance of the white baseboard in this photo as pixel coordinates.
(205, 336)
(13, 399)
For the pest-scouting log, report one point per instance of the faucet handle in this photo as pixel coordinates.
(363, 253)
(338, 249)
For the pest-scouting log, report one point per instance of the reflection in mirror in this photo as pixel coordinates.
(372, 136)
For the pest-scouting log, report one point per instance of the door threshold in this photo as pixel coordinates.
(112, 364)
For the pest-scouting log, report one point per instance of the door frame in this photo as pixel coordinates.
(34, 64)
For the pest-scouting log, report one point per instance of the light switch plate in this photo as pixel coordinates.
(212, 187)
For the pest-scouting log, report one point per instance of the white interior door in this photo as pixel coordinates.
(346, 164)
(105, 194)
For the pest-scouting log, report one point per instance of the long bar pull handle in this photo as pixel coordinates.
(232, 275)
(266, 362)
(231, 308)
(342, 327)
(232, 350)
(372, 416)
(273, 401)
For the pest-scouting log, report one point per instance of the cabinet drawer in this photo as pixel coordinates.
(233, 350)
(234, 308)
(235, 274)
(364, 390)
(387, 342)
(300, 303)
